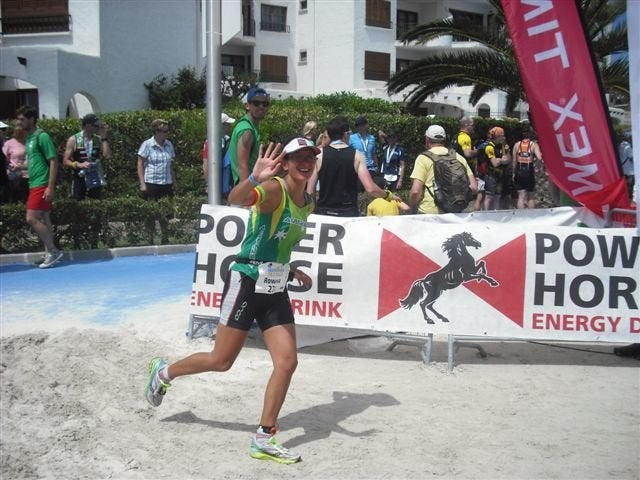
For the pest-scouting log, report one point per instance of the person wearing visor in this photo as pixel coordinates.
(245, 139)
(256, 286)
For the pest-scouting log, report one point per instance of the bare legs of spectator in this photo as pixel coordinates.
(491, 201)
(525, 199)
(40, 221)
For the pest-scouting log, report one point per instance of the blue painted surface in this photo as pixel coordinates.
(101, 290)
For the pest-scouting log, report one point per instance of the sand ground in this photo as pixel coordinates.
(72, 407)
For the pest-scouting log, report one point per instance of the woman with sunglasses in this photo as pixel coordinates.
(245, 139)
(156, 172)
(256, 287)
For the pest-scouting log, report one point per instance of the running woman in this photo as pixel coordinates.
(256, 287)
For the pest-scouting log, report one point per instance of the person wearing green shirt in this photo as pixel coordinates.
(42, 162)
(245, 139)
(256, 287)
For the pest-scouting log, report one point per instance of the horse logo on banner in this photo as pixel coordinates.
(462, 267)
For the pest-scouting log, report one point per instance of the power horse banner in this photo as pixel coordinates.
(565, 101)
(410, 274)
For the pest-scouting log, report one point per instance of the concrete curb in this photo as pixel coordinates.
(109, 253)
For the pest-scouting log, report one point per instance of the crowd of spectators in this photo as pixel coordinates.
(351, 161)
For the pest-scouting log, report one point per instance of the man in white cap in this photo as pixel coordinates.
(226, 179)
(226, 121)
(421, 195)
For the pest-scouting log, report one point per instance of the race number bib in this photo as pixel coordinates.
(272, 277)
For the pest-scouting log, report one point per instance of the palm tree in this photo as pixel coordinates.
(493, 65)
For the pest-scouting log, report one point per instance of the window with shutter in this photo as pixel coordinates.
(34, 16)
(376, 65)
(378, 13)
(273, 68)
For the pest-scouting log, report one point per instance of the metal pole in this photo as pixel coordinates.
(214, 43)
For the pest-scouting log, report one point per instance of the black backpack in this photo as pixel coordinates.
(451, 192)
(455, 145)
(482, 160)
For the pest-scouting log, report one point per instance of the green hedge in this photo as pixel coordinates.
(108, 223)
(119, 219)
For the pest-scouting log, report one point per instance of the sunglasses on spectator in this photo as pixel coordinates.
(258, 103)
(163, 130)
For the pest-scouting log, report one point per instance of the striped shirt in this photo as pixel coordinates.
(157, 161)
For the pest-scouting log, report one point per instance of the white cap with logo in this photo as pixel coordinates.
(435, 132)
(224, 118)
(298, 144)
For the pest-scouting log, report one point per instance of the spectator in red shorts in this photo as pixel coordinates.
(43, 166)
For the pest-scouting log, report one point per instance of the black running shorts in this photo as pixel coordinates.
(241, 305)
(524, 177)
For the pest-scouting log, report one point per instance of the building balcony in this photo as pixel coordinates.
(35, 24)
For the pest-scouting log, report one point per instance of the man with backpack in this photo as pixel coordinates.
(493, 156)
(43, 168)
(463, 145)
(526, 158)
(245, 139)
(442, 181)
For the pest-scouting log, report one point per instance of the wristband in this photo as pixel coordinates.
(253, 180)
(389, 195)
(74, 165)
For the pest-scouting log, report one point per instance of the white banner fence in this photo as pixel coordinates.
(536, 274)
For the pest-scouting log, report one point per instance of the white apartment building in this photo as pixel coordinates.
(71, 57)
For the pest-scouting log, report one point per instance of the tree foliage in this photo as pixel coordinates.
(184, 90)
(188, 90)
(493, 65)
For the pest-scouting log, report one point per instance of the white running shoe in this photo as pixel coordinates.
(155, 389)
(40, 261)
(51, 258)
(270, 449)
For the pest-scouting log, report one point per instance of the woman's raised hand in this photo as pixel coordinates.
(269, 162)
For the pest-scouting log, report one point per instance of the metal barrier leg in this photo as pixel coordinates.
(197, 322)
(454, 345)
(190, 328)
(426, 349)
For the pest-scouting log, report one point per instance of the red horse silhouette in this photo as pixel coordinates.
(462, 267)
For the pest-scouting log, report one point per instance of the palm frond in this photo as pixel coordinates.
(493, 65)
(484, 68)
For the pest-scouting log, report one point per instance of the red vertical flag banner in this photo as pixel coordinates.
(565, 101)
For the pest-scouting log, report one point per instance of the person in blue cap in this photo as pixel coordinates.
(245, 139)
